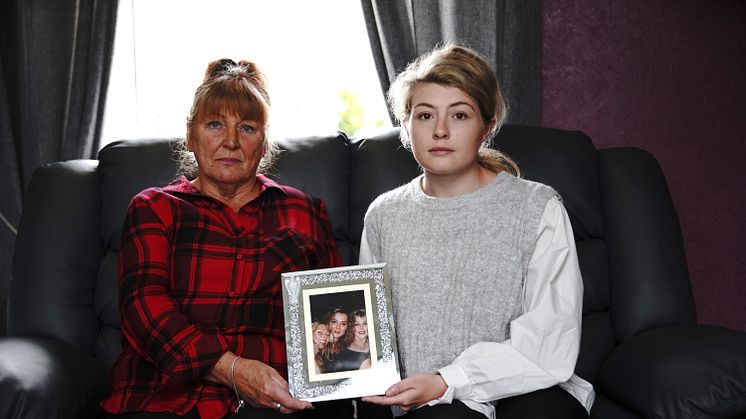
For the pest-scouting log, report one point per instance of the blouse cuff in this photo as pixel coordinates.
(457, 381)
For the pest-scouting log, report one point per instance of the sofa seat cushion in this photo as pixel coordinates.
(682, 371)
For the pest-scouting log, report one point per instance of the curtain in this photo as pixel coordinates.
(508, 33)
(54, 68)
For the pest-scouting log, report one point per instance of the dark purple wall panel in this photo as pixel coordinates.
(668, 76)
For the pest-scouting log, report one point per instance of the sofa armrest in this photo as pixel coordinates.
(681, 371)
(44, 378)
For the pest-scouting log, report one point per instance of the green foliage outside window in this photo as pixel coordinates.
(351, 116)
(352, 113)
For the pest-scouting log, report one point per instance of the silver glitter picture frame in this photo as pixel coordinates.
(309, 296)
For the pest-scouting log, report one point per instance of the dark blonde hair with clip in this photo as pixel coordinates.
(463, 68)
(230, 88)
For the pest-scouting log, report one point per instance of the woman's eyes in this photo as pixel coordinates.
(424, 116)
(245, 128)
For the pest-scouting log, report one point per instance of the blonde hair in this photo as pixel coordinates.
(463, 68)
(230, 88)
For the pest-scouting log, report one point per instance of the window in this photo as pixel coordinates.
(316, 57)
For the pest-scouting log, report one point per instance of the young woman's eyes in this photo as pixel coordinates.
(427, 116)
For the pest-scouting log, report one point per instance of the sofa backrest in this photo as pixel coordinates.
(57, 254)
(627, 234)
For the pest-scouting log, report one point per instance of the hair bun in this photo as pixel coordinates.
(243, 68)
(249, 66)
(217, 67)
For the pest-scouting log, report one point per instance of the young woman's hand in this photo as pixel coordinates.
(412, 391)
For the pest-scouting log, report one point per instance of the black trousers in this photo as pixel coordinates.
(323, 410)
(551, 403)
(543, 404)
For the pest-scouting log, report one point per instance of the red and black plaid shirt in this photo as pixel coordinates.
(196, 280)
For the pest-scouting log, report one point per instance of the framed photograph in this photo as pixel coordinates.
(339, 329)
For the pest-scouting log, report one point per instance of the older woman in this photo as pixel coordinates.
(200, 264)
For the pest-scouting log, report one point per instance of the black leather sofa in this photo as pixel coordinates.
(640, 345)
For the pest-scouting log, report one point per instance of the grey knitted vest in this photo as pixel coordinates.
(457, 265)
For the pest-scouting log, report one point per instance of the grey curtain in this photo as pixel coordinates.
(54, 68)
(507, 32)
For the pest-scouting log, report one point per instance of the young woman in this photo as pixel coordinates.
(485, 279)
(356, 355)
(320, 336)
(338, 322)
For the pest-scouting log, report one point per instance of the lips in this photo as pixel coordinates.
(229, 160)
(440, 150)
